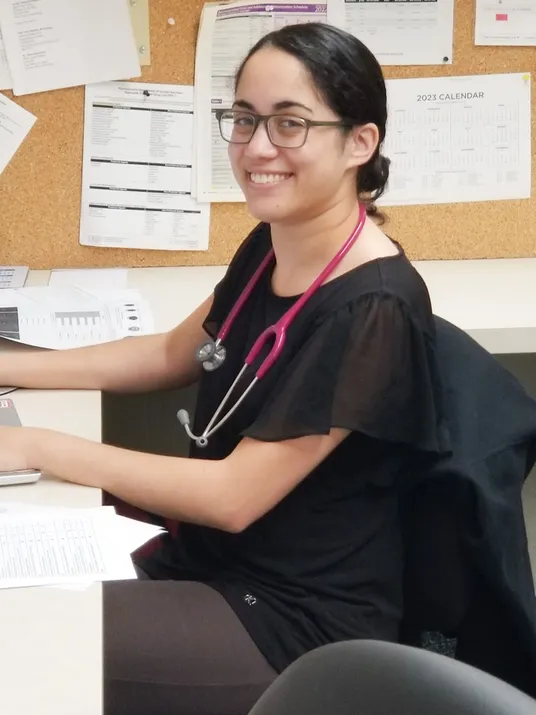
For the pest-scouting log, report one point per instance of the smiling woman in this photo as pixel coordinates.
(289, 511)
(334, 89)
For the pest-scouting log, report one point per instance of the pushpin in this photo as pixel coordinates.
(171, 21)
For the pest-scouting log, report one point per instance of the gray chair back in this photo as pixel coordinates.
(379, 678)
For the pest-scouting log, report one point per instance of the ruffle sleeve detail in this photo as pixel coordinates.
(367, 367)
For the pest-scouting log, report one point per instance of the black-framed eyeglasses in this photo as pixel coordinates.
(284, 130)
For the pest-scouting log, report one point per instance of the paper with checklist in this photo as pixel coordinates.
(15, 123)
(419, 32)
(45, 546)
(137, 169)
(52, 44)
(67, 317)
(458, 139)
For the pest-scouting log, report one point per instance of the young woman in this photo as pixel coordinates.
(290, 535)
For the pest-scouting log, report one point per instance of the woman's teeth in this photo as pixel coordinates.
(268, 178)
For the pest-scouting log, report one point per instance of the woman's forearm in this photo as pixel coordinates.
(184, 489)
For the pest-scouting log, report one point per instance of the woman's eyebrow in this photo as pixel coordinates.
(278, 106)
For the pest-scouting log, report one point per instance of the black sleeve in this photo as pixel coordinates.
(369, 368)
(244, 263)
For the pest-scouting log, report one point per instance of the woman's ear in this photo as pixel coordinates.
(362, 144)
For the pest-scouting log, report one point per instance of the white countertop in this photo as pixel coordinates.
(493, 300)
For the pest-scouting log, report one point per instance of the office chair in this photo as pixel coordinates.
(379, 678)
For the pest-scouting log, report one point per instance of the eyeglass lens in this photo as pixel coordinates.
(284, 131)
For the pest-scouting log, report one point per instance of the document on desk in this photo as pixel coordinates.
(505, 22)
(458, 139)
(417, 32)
(227, 30)
(5, 74)
(13, 276)
(51, 44)
(40, 548)
(15, 123)
(68, 317)
(137, 169)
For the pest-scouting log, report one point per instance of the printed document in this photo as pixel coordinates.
(5, 74)
(137, 169)
(15, 123)
(505, 22)
(227, 31)
(52, 44)
(68, 317)
(457, 139)
(40, 548)
(413, 32)
(13, 276)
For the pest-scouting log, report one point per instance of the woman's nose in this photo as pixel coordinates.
(260, 144)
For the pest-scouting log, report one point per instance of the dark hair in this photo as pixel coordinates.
(350, 81)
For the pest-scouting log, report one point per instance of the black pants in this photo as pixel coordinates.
(177, 648)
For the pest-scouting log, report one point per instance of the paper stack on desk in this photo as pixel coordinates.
(45, 546)
(69, 317)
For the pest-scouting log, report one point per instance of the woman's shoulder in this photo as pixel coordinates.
(385, 284)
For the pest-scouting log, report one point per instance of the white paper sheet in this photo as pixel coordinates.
(68, 317)
(52, 44)
(72, 546)
(128, 534)
(457, 139)
(418, 32)
(100, 278)
(15, 123)
(13, 276)
(226, 32)
(137, 169)
(505, 22)
(5, 75)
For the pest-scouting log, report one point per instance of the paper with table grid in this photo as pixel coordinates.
(42, 547)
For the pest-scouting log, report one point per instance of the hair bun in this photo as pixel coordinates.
(373, 177)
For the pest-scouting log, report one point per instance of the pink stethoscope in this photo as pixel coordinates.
(212, 352)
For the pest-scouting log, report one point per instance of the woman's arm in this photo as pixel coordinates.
(149, 362)
(229, 494)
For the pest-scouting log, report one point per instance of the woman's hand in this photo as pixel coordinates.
(17, 447)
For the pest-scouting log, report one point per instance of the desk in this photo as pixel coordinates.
(51, 644)
(51, 654)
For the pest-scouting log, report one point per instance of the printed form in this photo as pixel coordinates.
(137, 169)
(13, 276)
(226, 32)
(399, 32)
(40, 548)
(457, 139)
(68, 317)
(5, 74)
(15, 123)
(505, 22)
(51, 44)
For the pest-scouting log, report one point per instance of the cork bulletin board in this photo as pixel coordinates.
(40, 189)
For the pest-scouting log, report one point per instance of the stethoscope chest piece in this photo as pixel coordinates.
(211, 355)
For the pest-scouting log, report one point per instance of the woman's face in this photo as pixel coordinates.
(287, 185)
